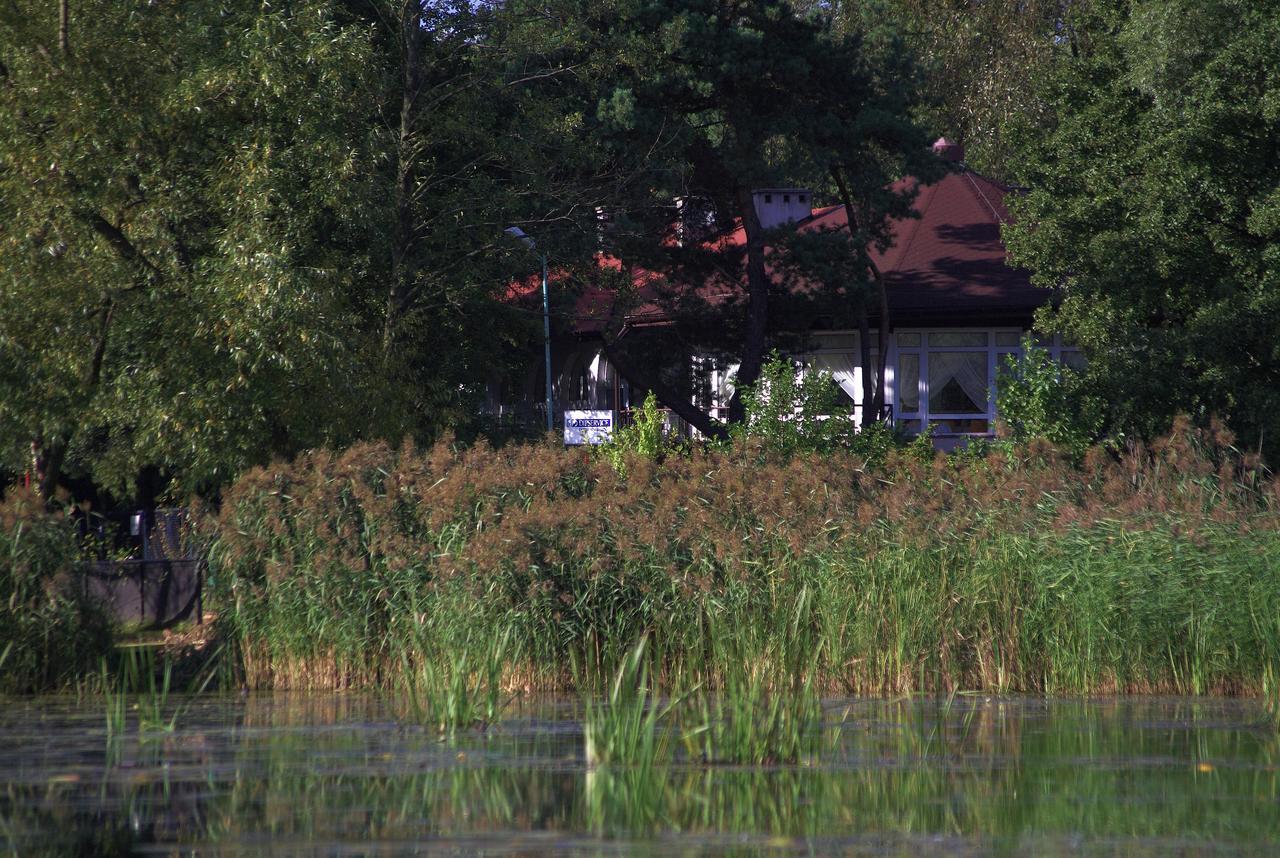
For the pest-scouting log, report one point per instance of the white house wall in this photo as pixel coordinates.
(967, 350)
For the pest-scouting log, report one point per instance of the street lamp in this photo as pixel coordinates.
(519, 234)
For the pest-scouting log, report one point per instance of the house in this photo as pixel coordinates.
(956, 307)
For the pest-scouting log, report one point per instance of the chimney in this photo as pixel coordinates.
(604, 226)
(779, 206)
(948, 151)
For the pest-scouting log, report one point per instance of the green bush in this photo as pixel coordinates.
(49, 634)
(1039, 398)
(790, 412)
(646, 438)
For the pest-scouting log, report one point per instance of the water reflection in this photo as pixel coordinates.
(335, 773)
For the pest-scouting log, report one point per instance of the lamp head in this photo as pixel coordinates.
(518, 233)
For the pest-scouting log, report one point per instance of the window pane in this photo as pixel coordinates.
(840, 342)
(958, 382)
(958, 338)
(911, 427)
(908, 339)
(843, 367)
(1006, 338)
(1073, 359)
(1002, 360)
(908, 384)
(959, 427)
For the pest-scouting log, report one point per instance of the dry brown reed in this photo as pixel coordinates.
(1014, 571)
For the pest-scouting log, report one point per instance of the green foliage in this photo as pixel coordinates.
(623, 729)
(183, 195)
(1037, 397)
(980, 63)
(793, 412)
(766, 707)
(49, 634)
(790, 412)
(456, 690)
(225, 240)
(645, 438)
(1153, 209)
(758, 94)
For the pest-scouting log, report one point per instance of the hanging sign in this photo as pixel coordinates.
(587, 427)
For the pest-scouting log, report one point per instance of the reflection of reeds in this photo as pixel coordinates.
(764, 708)
(1016, 776)
(134, 682)
(1138, 572)
(623, 729)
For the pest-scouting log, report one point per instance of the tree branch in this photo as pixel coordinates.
(121, 244)
(679, 405)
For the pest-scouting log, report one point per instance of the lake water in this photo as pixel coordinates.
(335, 774)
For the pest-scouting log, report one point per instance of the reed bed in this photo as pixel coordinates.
(50, 634)
(1153, 569)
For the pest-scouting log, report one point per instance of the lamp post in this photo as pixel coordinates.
(519, 234)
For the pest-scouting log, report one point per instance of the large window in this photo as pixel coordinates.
(838, 355)
(947, 378)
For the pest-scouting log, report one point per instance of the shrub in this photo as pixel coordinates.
(1039, 398)
(645, 438)
(49, 634)
(790, 412)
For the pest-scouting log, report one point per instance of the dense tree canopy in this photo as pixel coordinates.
(1154, 210)
(234, 231)
(181, 199)
(980, 62)
(744, 94)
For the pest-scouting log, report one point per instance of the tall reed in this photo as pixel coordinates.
(50, 634)
(458, 689)
(1153, 569)
(765, 708)
(625, 727)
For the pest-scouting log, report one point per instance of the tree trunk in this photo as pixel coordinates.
(64, 27)
(872, 405)
(400, 293)
(46, 462)
(754, 339)
(864, 360)
(47, 456)
(679, 405)
(885, 332)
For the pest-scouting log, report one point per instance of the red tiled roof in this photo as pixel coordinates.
(948, 265)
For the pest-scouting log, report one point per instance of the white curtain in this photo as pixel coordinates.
(844, 370)
(969, 369)
(596, 371)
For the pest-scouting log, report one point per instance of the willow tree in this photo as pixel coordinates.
(981, 62)
(235, 231)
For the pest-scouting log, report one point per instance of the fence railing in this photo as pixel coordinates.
(153, 593)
